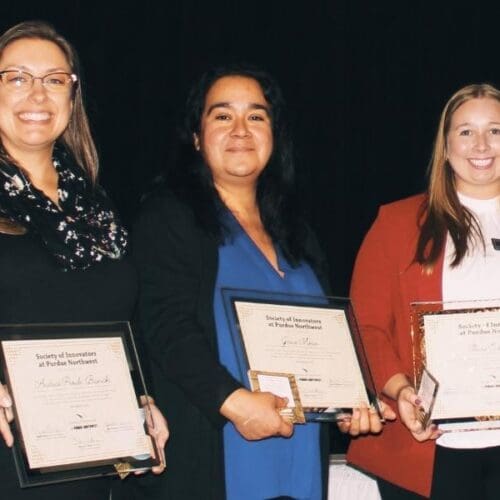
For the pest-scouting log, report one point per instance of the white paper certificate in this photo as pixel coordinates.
(463, 353)
(312, 343)
(74, 400)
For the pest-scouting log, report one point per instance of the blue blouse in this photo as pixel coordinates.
(257, 470)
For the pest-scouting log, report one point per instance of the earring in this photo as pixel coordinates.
(196, 142)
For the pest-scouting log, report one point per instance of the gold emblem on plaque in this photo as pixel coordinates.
(123, 469)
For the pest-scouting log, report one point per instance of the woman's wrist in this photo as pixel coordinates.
(395, 385)
(231, 408)
(402, 388)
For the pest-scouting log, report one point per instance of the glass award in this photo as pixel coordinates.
(459, 344)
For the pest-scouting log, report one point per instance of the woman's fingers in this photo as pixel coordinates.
(256, 415)
(158, 430)
(363, 421)
(6, 416)
(387, 412)
(376, 425)
(409, 411)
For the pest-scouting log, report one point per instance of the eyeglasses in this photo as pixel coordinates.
(21, 81)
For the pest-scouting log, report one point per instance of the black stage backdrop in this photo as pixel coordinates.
(365, 83)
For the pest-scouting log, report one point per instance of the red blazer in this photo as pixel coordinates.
(385, 281)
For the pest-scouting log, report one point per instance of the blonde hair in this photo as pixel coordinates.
(443, 211)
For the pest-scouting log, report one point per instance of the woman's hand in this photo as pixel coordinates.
(366, 420)
(256, 414)
(409, 411)
(6, 415)
(157, 429)
(399, 388)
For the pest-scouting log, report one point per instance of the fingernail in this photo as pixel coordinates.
(418, 402)
(355, 413)
(6, 402)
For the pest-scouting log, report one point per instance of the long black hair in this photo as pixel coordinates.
(277, 198)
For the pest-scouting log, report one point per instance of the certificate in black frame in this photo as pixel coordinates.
(331, 412)
(116, 465)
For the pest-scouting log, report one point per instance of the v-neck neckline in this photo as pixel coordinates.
(279, 260)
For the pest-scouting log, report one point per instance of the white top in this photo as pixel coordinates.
(476, 278)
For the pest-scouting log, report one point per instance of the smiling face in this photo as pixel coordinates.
(33, 120)
(236, 138)
(473, 148)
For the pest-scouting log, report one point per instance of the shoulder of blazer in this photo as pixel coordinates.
(170, 222)
(401, 218)
(396, 229)
(401, 211)
(164, 208)
(165, 202)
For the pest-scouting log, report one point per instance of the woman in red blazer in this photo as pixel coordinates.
(411, 246)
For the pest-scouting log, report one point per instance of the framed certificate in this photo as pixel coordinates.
(315, 339)
(459, 343)
(76, 391)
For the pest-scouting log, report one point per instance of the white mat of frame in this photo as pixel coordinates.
(347, 483)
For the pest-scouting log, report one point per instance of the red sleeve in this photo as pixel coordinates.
(374, 291)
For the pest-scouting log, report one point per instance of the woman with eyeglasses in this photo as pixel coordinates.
(62, 247)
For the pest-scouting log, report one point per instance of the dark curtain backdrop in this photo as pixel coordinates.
(365, 83)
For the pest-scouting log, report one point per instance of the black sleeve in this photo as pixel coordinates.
(169, 253)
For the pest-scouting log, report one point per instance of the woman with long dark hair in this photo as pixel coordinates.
(228, 218)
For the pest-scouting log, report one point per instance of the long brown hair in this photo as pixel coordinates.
(77, 137)
(442, 212)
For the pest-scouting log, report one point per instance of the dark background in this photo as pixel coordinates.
(365, 82)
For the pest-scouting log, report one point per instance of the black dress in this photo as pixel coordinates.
(33, 289)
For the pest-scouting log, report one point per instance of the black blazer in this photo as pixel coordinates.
(177, 263)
